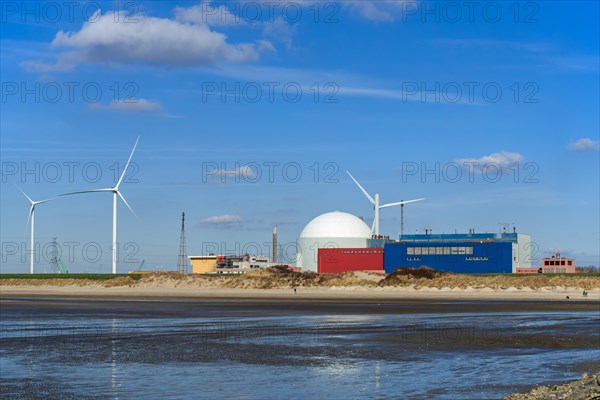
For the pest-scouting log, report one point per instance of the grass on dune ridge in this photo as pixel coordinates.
(280, 278)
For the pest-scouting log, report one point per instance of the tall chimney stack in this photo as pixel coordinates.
(274, 244)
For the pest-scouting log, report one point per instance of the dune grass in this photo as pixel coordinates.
(275, 278)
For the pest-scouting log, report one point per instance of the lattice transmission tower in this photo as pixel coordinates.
(56, 262)
(182, 259)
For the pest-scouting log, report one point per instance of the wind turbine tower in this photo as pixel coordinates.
(116, 193)
(182, 260)
(32, 218)
(377, 207)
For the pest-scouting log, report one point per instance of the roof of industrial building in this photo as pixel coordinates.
(202, 257)
(459, 237)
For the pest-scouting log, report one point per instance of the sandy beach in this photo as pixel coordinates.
(332, 293)
(419, 284)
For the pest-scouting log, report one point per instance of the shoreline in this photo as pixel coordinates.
(310, 293)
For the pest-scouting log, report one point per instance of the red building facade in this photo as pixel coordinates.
(333, 261)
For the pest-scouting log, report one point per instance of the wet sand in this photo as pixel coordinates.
(268, 304)
(26, 308)
(258, 333)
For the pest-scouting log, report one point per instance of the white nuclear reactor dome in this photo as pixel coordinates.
(336, 225)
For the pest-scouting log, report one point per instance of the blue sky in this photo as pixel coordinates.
(249, 114)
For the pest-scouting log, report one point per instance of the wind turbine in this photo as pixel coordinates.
(32, 218)
(377, 206)
(115, 191)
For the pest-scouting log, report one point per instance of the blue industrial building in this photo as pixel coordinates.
(460, 253)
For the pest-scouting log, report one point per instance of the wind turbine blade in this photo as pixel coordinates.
(127, 165)
(36, 202)
(29, 217)
(412, 201)
(24, 194)
(85, 191)
(47, 200)
(400, 203)
(127, 204)
(391, 204)
(361, 188)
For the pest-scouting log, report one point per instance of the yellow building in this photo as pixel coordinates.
(203, 264)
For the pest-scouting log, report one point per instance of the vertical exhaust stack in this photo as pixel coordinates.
(401, 219)
(275, 244)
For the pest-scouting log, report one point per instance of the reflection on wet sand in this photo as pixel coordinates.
(96, 349)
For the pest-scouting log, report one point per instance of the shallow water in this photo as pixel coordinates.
(76, 350)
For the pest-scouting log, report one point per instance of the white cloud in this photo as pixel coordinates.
(226, 220)
(410, 94)
(503, 160)
(131, 105)
(65, 63)
(533, 47)
(280, 30)
(245, 172)
(273, 25)
(210, 14)
(265, 45)
(187, 39)
(542, 52)
(576, 62)
(584, 144)
(378, 10)
(336, 83)
(372, 10)
(112, 39)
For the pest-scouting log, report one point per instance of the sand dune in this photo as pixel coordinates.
(350, 285)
